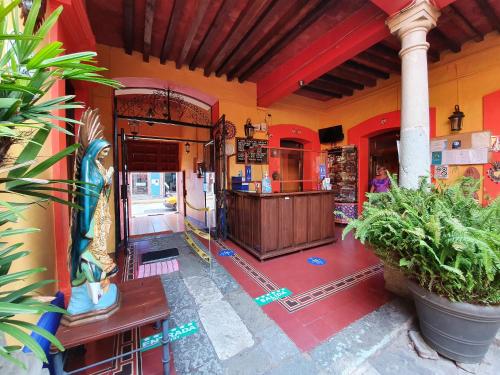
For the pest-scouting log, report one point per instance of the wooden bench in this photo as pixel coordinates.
(143, 302)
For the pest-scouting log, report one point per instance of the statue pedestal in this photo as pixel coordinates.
(82, 310)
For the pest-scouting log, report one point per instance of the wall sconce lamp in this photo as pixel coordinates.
(456, 119)
(151, 115)
(249, 129)
(134, 128)
(187, 147)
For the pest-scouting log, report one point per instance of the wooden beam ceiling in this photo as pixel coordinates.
(366, 70)
(328, 93)
(200, 14)
(169, 33)
(342, 82)
(329, 85)
(257, 22)
(293, 15)
(360, 78)
(489, 13)
(369, 59)
(148, 28)
(128, 25)
(459, 19)
(444, 39)
(311, 17)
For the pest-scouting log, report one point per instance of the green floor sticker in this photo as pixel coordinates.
(272, 296)
(154, 341)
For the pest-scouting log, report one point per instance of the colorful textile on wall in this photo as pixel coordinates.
(345, 212)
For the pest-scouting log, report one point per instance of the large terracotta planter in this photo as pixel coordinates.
(460, 331)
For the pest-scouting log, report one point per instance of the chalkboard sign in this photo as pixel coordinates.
(256, 154)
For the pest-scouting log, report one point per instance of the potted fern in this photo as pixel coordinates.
(448, 246)
(29, 67)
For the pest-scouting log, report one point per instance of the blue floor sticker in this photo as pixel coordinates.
(226, 253)
(316, 261)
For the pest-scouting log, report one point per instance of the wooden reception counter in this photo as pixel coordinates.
(268, 225)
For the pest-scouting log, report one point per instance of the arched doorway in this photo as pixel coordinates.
(361, 134)
(307, 139)
(151, 116)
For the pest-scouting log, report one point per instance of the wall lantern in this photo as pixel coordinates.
(456, 119)
(249, 129)
(134, 128)
(187, 147)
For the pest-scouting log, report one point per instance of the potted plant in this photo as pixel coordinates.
(448, 246)
(29, 67)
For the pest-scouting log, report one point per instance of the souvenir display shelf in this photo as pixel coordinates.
(343, 173)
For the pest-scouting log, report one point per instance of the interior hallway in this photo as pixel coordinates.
(155, 224)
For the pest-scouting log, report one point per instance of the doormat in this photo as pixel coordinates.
(272, 296)
(159, 255)
(158, 268)
(174, 334)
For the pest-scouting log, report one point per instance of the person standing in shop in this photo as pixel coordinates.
(381, 183)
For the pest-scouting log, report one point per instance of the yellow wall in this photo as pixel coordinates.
(462, 78)
(237, 101)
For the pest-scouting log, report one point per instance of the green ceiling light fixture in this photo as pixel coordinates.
(456, 119)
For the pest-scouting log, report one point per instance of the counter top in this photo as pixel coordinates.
(269, 195)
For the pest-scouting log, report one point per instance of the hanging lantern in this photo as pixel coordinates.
(456, 119)
(187, 147)
(134, 127)
(249, 129)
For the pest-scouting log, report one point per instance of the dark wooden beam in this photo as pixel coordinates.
(370, 59)
(149, 14)
(257, 25)
(200, 14)
(128, 25)
(304, 23)
(322, 92)
(330, 86)
(299, 10)
(342, 82)
(212, 31)
(169, 33)
(372, 72)
(489, 12)
(385, 52)
(357, 77)
(433, 55)
(459, 19)
(443, 38)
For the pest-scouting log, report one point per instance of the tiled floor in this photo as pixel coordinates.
(328, 314)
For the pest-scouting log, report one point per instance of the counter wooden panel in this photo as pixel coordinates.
(269, 225)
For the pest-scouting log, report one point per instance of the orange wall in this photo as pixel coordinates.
(237, 101)
(462, 78)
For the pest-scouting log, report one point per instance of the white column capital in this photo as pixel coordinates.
(420, 14)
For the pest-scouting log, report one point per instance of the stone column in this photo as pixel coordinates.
(411, 25)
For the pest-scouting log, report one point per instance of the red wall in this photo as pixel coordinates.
(491, 121)
(309, 138)
(360, 135)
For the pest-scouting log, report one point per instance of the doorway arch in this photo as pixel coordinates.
(360, 135)
(305, 136)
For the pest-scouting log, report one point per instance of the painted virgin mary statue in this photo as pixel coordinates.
(90, 265)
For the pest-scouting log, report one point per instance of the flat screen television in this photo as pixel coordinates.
(332, 134)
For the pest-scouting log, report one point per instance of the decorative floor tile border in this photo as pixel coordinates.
(304, 299)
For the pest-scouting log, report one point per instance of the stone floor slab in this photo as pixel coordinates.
(224, 327)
